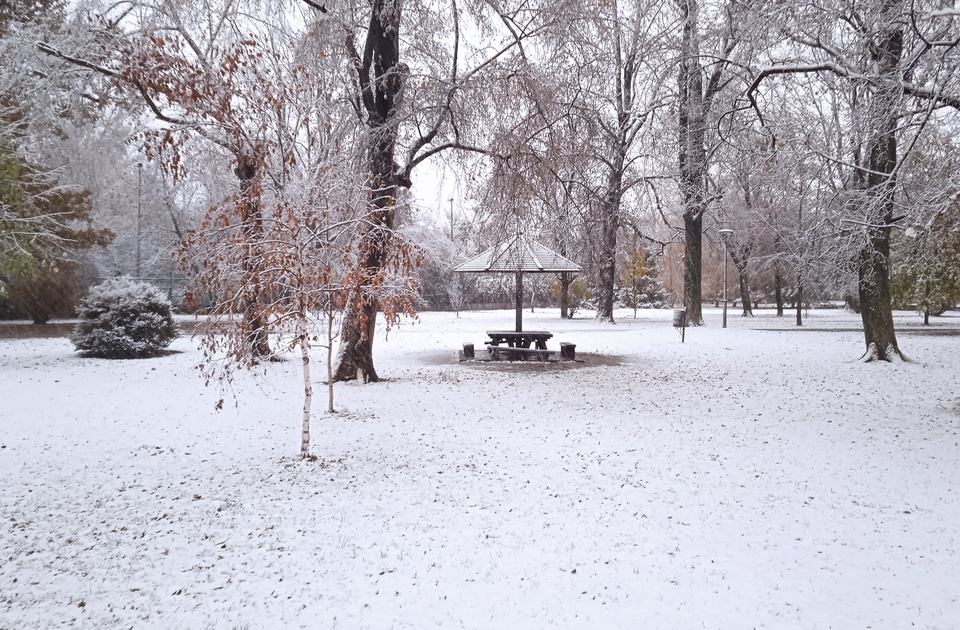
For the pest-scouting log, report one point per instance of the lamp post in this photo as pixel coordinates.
(724, 235)
(139, 212)
(451, 217)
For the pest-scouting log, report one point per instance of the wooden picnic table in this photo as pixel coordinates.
(519, 339)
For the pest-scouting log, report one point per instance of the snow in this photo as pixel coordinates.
(758, 476)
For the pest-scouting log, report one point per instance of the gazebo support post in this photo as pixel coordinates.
(519, 302)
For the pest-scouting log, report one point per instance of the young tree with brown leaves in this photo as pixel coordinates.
(198, 68)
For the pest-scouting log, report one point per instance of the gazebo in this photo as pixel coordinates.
(518, 256)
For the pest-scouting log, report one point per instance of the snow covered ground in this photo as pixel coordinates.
(753, 477)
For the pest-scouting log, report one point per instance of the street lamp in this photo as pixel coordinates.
(139, 212)
(451, 217)
(724, 235)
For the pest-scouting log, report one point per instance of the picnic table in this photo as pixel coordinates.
(515, 344)
(519, 339)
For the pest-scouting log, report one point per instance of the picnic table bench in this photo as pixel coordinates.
(510, 352)
(522, 345)
(516, 345)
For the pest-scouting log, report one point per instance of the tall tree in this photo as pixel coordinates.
(884, 52)
(636, 34)
(700, 78)
(590, 101)
(410, 97)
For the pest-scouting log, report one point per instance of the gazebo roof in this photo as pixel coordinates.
(518, 255)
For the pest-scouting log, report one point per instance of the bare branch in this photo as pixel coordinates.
(316, 5)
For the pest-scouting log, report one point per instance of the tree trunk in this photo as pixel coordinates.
(877, 181)
(610, 225)
(610, 206)
(564, 295)
(518, 303)
(692, 160)
(741, 257)
(799, 300)
(875, 308)
(355, 356)
(330, 316)
(692, 268)
(252, 226)
(380, 78)
(304, 342)
(745, 292)
(778, 290)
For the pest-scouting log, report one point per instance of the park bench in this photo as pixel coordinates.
(510, 353)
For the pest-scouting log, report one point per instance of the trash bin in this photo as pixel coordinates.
(679, 318)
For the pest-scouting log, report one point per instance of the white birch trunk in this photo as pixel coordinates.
(307, 387)
(330, 359)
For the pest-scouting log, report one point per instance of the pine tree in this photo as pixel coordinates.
(41, 224)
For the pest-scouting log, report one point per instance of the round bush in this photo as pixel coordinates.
(124, 319)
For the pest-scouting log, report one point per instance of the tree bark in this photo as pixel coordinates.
(692, 268)
(692, 160)
(252, 226)
(625, 68)
(564, 294)
(518, 303)
(741, 256)
(307, 384)
(778, 289)
(355, 356)
(330, 316)
(610, 225)
(799, 300)
(745, 292)
(877, 183)
(380, 77)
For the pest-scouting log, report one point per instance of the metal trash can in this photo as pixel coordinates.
(679, 318)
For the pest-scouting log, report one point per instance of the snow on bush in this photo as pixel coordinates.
(122, 318)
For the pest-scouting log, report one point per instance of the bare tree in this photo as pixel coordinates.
(632, 38)
(413, 108)
(887, 54)
(701, 76)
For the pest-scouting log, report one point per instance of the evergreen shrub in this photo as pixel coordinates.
(122, 318)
